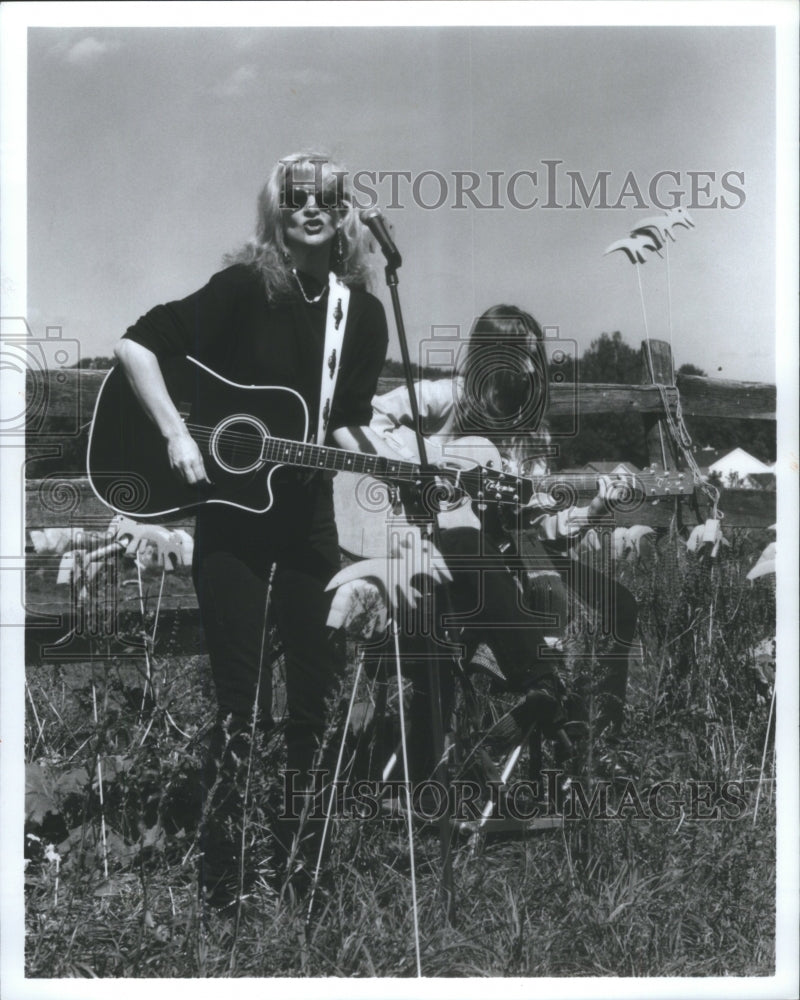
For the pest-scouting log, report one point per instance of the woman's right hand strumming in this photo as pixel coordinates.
(144, 374)
(186, 459)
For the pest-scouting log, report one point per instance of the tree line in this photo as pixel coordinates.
(614, 437)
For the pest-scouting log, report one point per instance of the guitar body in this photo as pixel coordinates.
(367, 512)
(127, 457)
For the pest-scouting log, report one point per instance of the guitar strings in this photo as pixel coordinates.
(243, 444)
(272, 449)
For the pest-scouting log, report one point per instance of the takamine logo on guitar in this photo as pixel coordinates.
(245, 434)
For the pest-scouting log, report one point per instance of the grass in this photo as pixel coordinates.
(111, 865)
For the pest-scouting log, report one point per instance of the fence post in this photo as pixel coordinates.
(662, 450)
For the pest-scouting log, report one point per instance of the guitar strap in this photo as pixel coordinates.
(335, 323)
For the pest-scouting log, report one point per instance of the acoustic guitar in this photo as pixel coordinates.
(245, 434)
(369, 512)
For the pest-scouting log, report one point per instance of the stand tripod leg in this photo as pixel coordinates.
(332, 798)
(437, 728)
(404, 747)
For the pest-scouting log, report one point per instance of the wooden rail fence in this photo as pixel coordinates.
(61, 403)
(71, 394)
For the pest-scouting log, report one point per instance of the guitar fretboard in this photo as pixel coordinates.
(580, 481)
(314, 456)
(646, 483)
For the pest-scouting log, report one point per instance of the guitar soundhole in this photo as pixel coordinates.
(237, 444)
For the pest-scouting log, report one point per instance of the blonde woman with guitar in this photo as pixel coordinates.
(290, 311)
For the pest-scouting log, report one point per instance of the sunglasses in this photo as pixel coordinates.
(327, 197)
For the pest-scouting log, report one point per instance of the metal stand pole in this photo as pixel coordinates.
(437, 727)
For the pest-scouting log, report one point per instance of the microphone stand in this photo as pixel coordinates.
(437, 726)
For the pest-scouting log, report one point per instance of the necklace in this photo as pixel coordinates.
(308, 301)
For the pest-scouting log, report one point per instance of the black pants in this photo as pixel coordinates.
(487, 603)
(483, 603)
(232, 567)
(232, 594)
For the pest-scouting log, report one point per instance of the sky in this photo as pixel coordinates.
(147, 146)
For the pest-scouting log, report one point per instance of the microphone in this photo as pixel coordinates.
(374, 221)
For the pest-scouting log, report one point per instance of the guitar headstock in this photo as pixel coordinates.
(655, 482)
(475, 467)
(485, 485)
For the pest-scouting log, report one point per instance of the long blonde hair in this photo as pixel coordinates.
(266, 250)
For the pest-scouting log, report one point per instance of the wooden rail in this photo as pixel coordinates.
(61, 404)
(70, 396)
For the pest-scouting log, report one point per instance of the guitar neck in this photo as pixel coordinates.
(314, 456)
(646, 483)
(581, 481)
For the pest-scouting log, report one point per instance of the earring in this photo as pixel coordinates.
(338, 251)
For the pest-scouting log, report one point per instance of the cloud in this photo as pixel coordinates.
(88, 50)
(239, 82)
(244, 79)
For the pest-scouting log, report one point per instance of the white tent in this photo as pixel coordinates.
(740, 464)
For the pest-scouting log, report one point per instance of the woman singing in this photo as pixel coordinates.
(263, 321)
